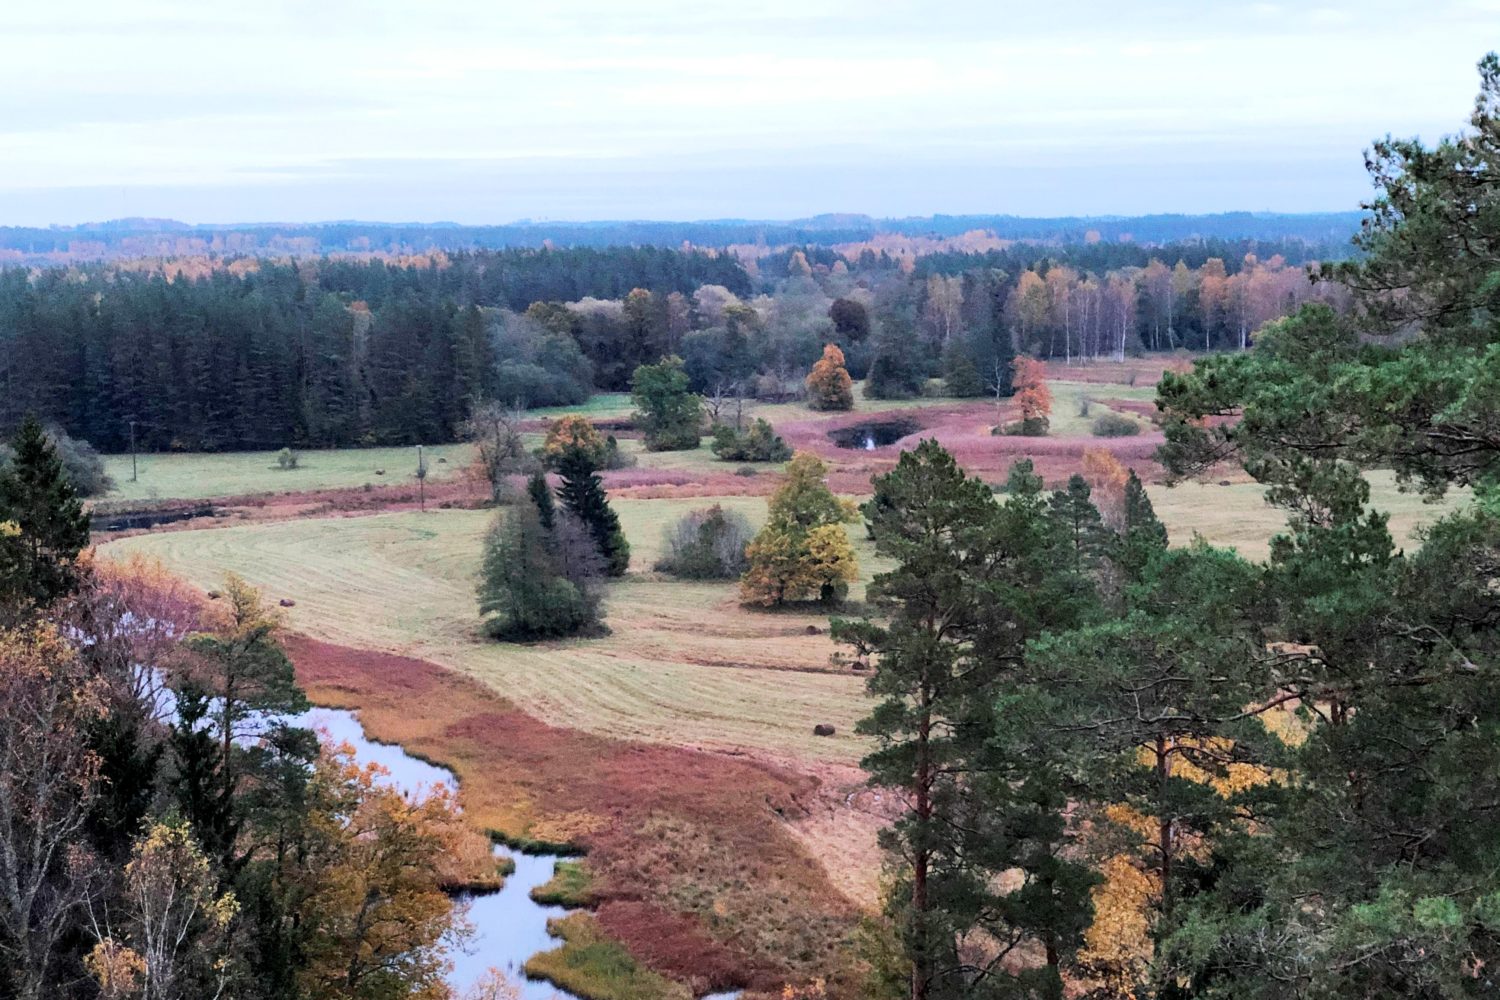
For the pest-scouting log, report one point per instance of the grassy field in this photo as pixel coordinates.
(198, 476)
(685, 663)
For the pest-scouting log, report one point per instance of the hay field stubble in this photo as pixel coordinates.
(685, 663)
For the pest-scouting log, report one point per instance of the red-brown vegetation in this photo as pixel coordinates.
(695, 868)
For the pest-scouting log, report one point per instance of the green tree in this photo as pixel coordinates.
(233, 695)
(576, 450)
(524, 592)
(48, 527)
(540, 495)
(668, 414)
(803, 551)
(1381, 850)
(958, 731)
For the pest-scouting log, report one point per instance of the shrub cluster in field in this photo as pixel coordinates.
(707, 544)
(757, 443)
(1113, 425)
(543, 564)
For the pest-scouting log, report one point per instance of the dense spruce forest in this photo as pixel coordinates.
(213, 354)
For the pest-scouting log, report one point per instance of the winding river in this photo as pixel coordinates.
(509, 926)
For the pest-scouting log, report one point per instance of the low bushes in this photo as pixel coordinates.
(706, 544)
(1112, 425)
(757, 443)
(1031, 427)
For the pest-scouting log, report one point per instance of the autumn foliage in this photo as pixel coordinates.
(803, 552)
(1033, 395)
(828, 384)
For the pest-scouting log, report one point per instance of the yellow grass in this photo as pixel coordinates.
(685, 664)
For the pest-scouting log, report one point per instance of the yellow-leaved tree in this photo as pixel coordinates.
(803, 553)
(377, 915)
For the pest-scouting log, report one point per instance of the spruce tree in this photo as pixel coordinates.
(1084, 536)
(1142, 534)
(582, 493)
(43, 526)
(541, 495)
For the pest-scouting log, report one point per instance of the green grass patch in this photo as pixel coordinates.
(570, 885)
(593, 966)
(198, 475)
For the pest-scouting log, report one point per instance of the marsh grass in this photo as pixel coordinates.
(592, 966)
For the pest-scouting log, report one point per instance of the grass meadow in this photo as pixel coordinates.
(198, 476)
(684, 664)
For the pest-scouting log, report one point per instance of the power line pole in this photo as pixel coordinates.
(422, 478)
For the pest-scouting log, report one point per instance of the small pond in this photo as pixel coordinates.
(874, 434)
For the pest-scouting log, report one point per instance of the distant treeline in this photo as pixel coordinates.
(320, 353)
(162, 238)
(250, 353)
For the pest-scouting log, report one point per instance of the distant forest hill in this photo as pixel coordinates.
(1328, 231)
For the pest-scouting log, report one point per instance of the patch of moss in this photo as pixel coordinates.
(592, 966)
(570, 885)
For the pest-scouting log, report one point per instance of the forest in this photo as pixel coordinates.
(214, 355)
(166, 238)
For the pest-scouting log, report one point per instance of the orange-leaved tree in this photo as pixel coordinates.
(1032, 394)
(828, 384)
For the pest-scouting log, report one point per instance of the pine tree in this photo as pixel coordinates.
(961, 734)
(1142, 534)
(42, 523)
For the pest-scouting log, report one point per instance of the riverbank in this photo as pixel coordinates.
(693, 861)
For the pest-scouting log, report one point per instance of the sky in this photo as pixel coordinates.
(490, 111)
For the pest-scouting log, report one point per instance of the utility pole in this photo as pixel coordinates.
(132, 450)
(422, 478)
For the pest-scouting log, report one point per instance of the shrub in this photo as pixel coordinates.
(1029, 427)
(747, 471)
(287, 459)
(1112, 425)
(706, 544)
(615, 457)
(757, 443)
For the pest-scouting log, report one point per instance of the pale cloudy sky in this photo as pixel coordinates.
(493, 110)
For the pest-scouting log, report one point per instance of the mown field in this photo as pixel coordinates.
(685, 663)
(199, 476)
